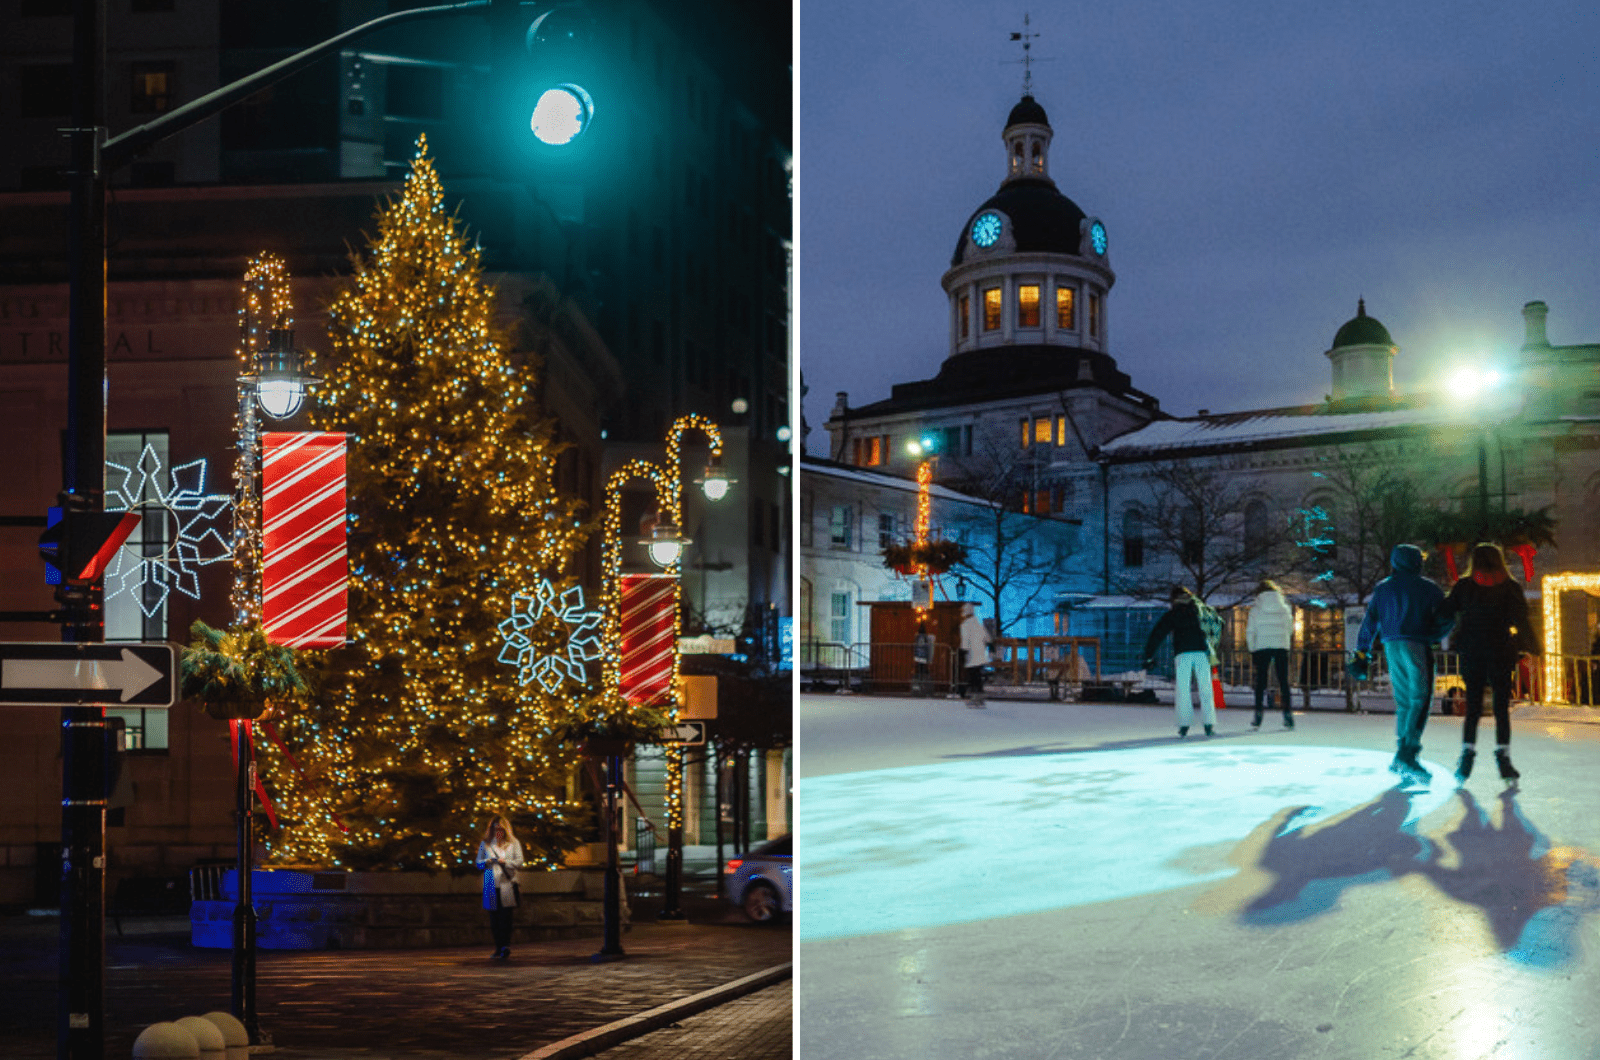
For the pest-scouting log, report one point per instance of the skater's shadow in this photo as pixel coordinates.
(1079, 749)
(1532, 896)
(1290, 873)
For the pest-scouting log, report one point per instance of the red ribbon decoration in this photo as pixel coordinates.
(1525, 552)
(237, 727)
(1450, 563)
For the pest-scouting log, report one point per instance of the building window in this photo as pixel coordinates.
(1028, 305)
(1255, 529)
(869, 452)
(152, 87)
(839, 618)
(963, 309)
(144, 730)
(1026, 436)
(1041, 430)
(1132, 538)
(991, 309)
(1094, 314)
(1066, 315)
(885, 529)
(1061, 430)
(1036, 502)
(139, 613)
(840, 526)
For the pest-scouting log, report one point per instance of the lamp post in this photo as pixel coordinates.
(1480, 391)
(928, 450)
(277, 383)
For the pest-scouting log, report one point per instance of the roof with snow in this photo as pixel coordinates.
(1271, 429)
(812, 465)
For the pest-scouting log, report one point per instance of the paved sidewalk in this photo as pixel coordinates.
(756, 1027)
(435, 1004)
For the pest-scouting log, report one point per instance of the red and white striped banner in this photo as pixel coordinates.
(648, 634)
(304, 566)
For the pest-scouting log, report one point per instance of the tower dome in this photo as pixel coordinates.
(1363, 359)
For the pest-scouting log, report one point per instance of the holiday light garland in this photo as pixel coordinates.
(265, 304)
(1551, 586)
(419, 733)
(186, 508)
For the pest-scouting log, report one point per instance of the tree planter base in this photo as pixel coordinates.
(398, 910)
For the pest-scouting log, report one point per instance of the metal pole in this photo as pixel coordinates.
(244, 909)
(612, 945)
(1483, 487)
(81, 1026)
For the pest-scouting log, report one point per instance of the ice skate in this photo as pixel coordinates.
(1183, 730)
(1508, 772)
(1209, 732)
(1464, 764)
(1288, 722)
(1255, 723)
(1414, 779)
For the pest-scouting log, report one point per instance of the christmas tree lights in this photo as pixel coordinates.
(418, 733)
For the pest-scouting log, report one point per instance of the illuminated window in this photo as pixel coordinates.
(1028, 305)
(991, 309)
(1038, 157)
(1094, 314)
(869, 452)
(1061, 430)
(125, 612)
(152, 87)
(1026, 436)
(963, 309)
(1066, 316)
(1041, 430)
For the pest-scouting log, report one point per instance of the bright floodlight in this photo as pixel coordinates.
(562, 114)
(914, 447)
(1469, 382)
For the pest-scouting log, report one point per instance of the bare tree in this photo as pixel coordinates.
(1200, 519)
(1021, 552)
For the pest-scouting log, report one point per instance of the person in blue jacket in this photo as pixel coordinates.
(1406, 615)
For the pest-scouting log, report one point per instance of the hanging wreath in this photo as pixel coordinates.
(937, 556)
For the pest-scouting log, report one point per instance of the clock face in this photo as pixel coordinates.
(1097, 237)
(986, 229)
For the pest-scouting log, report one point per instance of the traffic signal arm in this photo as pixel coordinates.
(80, 544)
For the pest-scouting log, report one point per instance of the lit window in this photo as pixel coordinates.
(1026, 436)
(1038, 157)
(126, 617)
(1061, 430)
(963, 308)
(1041, 430)
(1066, 316)
(143, 730)
(991, 309)
(1028, 305)
(152, 87)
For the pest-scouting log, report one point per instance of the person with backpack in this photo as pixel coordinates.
(1268, 633)
(1493, 630)
(1195, 629)
(1405, 615)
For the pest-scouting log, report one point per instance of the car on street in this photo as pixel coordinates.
(761, 881)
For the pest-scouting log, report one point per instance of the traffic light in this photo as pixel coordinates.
(542, 92)
(77, 545)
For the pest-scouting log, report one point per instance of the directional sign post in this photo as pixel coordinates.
(82, 674)
(685, 733)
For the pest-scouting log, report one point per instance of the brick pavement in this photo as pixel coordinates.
(758, 1026)
(437, 1004)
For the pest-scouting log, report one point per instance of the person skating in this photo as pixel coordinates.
(500, 856)
(1405, 615)
(1194, 628)
(1268, 633)
(1492, 628)
(975, 648)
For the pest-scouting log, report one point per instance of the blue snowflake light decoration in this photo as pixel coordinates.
(182, 506)
(582, 636)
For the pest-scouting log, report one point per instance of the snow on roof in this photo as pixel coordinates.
(1274, 425)
(814, 466)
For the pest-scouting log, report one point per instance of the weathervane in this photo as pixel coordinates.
(1027, 38)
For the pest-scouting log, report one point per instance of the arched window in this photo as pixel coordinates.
(1038, 157)
(1132, 538)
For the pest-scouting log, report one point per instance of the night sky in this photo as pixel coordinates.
(1259, 165)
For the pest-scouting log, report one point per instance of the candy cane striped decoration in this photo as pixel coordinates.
(304, 564)
(649, 629)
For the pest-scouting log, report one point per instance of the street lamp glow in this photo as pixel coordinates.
(914, 447)
(714, 480)
(562, 114)
(665, 546)
(1469, 382)
(280, 398)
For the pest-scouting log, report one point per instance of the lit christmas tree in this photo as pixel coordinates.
(418, 733)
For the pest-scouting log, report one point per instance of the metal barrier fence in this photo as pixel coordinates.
(892, 667)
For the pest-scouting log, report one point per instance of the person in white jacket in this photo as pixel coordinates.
(500, 856)
(975, 648)
(1268, 634)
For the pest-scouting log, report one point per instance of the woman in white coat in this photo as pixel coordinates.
(1268, 634)
(500, 856)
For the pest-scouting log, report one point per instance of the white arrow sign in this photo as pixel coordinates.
(129, 673)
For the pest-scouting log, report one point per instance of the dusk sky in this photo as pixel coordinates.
(1258, 165)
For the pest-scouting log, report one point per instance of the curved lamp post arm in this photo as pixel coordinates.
(611, 563)
(680, 426)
